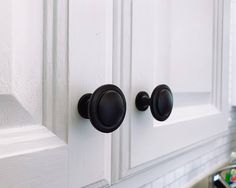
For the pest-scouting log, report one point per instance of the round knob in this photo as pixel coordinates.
(105, 108)
(161, 102)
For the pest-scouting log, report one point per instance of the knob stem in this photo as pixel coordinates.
(83, 105)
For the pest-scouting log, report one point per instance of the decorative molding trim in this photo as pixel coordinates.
(117, 79)
(217, 55)
(121, 57)
(56, 70)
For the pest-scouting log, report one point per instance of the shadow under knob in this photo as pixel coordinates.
(161, 102)
(105, 108)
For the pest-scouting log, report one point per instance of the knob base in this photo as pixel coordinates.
(83, 105)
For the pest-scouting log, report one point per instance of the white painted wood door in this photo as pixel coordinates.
(90, 56)
(31, 155)
(184, 44)
(137, 45)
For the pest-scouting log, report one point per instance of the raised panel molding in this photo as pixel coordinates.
(21, 64)
(34, 64)
(31, 155)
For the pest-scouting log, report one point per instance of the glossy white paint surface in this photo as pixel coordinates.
(90, 55)
(30, 154)
(21, 63)
(182, 44)
(135, 44)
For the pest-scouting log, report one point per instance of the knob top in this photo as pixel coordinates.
(165, 102)
(105, 108)
(111, 108)
(162, 102)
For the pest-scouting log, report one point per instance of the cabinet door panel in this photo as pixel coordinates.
(30, 154)
(21, 65)
(178, 43)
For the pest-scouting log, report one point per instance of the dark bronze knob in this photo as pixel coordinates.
(105, 108)
(161, 102)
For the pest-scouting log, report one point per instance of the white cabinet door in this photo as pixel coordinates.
(30, 154)
(183, 44)
(139, 44)
(90, 56)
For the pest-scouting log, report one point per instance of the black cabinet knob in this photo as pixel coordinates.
(161, 102)
(105, 108)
